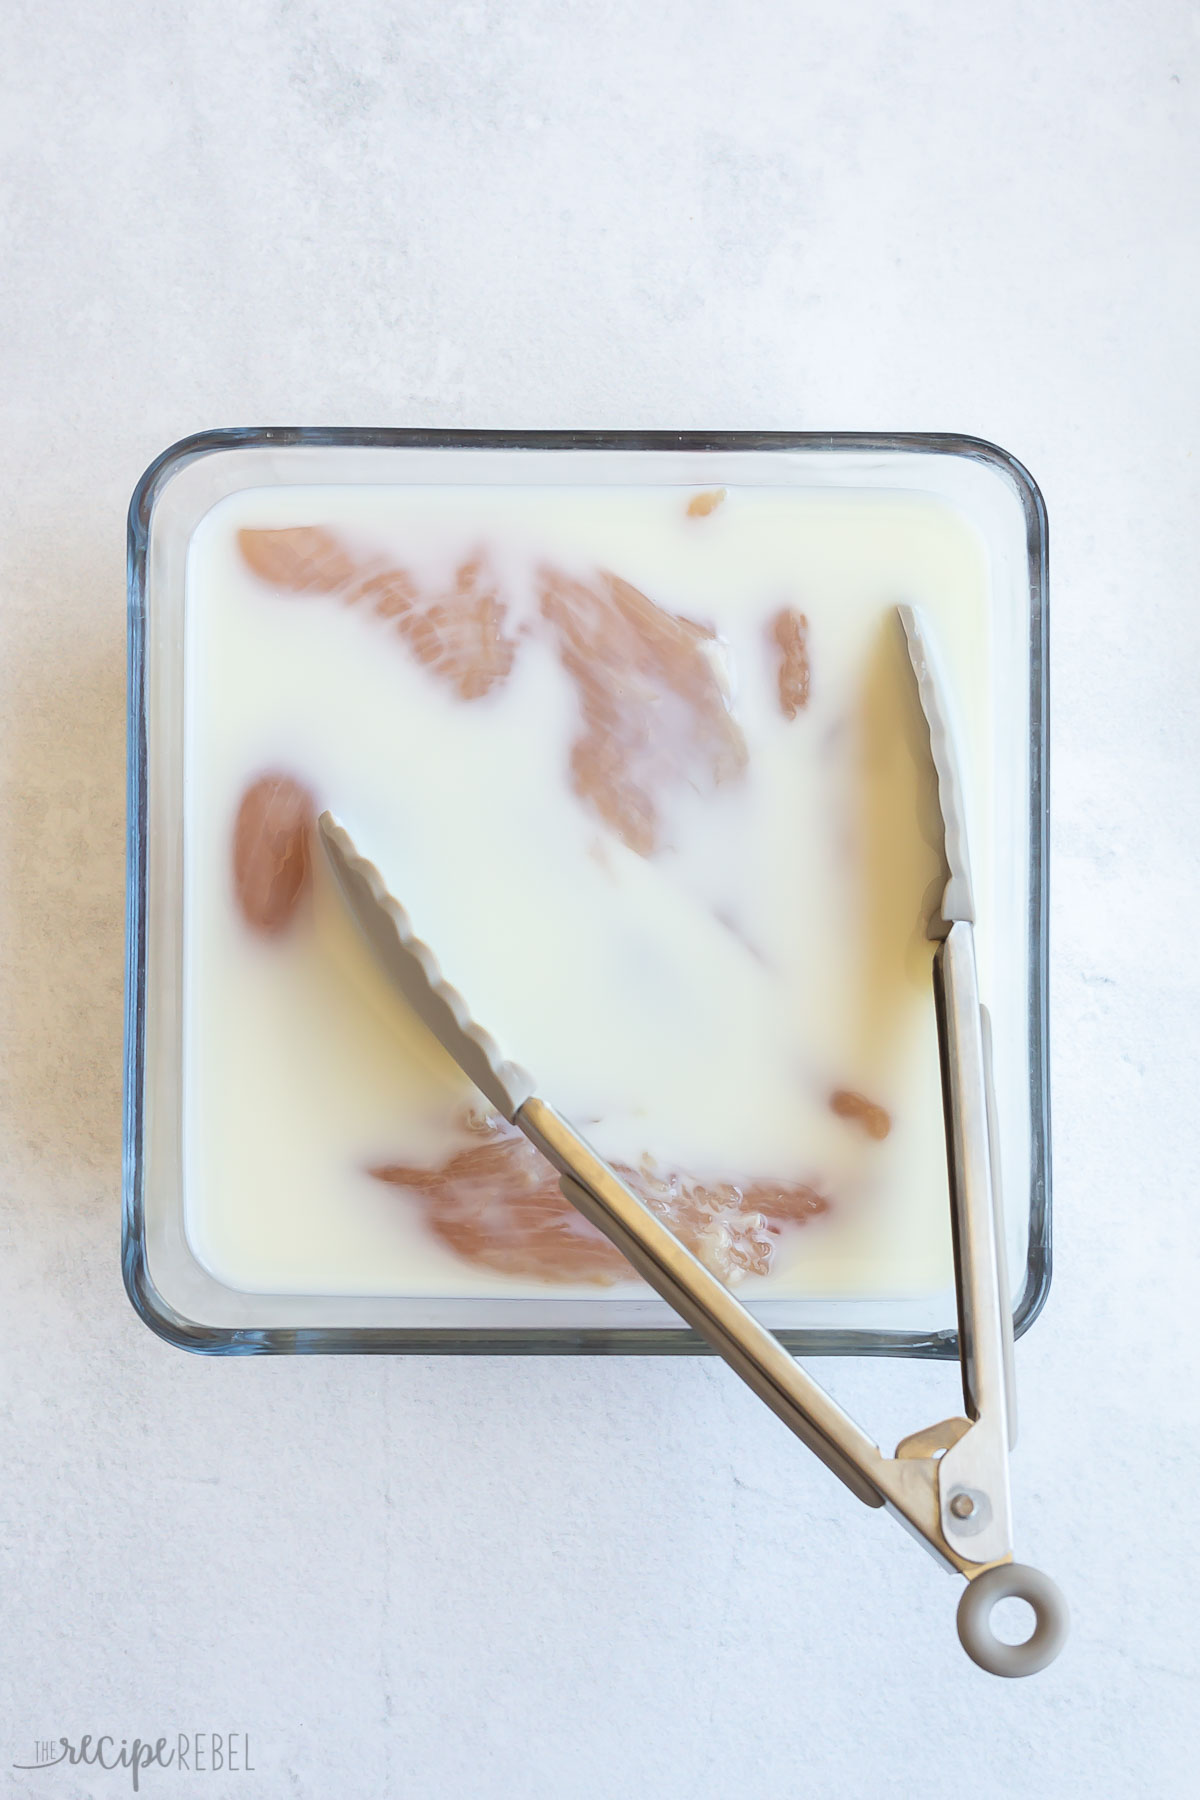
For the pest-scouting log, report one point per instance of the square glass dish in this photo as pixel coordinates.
(832, 500)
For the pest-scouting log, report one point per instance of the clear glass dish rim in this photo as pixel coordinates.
(189, 1334)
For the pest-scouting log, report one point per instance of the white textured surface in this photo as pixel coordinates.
(578, 1580)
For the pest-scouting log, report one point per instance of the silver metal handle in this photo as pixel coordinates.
(1006, 1321)
(968, 1144)
(973, 1474)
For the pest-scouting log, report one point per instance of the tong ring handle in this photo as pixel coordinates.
(1016, 1581)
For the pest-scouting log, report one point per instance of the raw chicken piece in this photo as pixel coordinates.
(789, 632)
(305, 559)
(497, 1202)
(732, 1229)
(655, 715)
(875, 1120)
(460, 634)
(271, 851)
(457, 633)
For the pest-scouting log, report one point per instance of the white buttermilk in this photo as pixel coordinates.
(700, 1005)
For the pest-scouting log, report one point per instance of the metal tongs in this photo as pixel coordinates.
(948, 1484)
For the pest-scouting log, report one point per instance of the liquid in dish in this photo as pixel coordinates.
(638, 762)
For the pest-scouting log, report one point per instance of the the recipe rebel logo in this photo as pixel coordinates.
(192, 1752)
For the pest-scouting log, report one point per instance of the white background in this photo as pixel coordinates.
(588, 1580)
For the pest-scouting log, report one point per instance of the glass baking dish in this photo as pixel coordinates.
(167, 1283)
